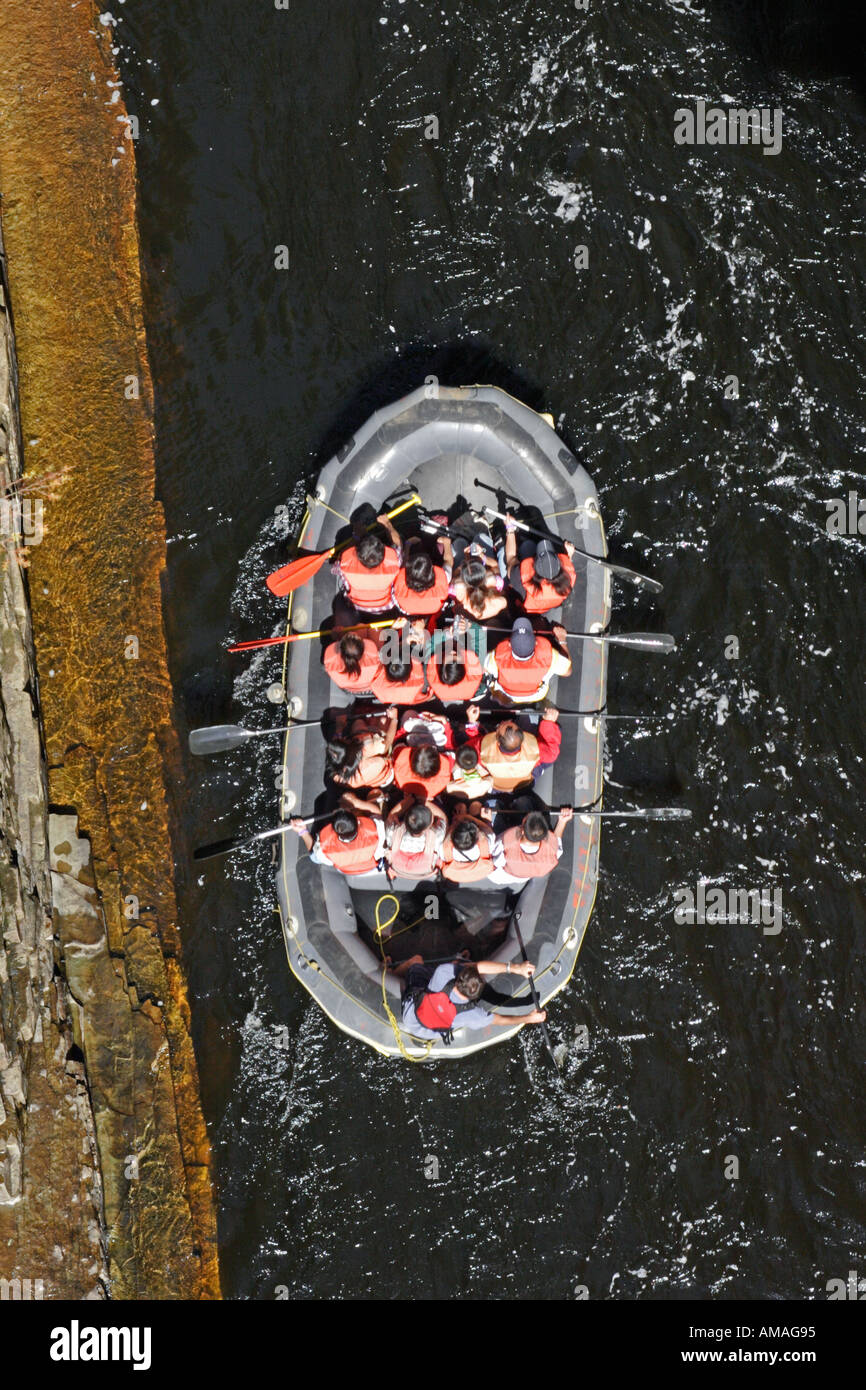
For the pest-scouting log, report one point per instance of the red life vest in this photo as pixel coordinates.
(418, 864)
(463, 690)
(460, 870)
(523, 678)
(422, 786)
(369, 588)
(420, 605)
(546, 597)
(408, 692)
(369, 663)
(358, 856)
(522, 865)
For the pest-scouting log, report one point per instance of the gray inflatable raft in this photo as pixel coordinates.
(437, 441)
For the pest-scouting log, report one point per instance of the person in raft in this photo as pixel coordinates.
(353, 842)
(415, 831)
(515, 757)
(523, 665)
(438, 1001)
(421, 587)
(424, 771)
(531, 849)
(469, 777)
(455, 671)
(540, 575)
(478, 588)
(366, 570)
(353, 660)
(400, 677)
(467, 851)
(362, 757)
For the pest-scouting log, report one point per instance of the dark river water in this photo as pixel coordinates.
(456, 256)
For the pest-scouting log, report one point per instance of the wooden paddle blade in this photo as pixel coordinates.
(296, 573)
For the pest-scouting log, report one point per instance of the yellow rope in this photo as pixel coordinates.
(380, 928)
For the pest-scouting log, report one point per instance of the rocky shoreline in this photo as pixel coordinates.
(104, 1158)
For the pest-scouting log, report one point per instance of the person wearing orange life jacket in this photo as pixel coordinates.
(478, 588)
(540, 576)
(424, 770)
(420, 587)
(401, 678)
(415, 831)
(367, 569)
(353, 660)
(531, 849)
(455, 670)
(515, 757)
(523, 665)
(467, 851)
(361, 757)
(353, 841)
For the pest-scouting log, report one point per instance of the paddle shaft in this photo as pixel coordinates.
(535, 999)
(306, 636)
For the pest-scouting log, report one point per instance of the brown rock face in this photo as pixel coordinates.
(119, 1003)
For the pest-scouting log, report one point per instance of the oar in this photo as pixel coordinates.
(503, 712)
(535, 999)
(647, 813)
(305, 636)
(241, 841)
(222, 738)
(297, 572)
(661, 642)
(652, 585)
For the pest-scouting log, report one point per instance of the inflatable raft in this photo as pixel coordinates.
(437, 442)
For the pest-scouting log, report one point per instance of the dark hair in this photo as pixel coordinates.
(425, 761)
(343, 756)
(345, 824)
(509, 737)
(370, 550)
(419, 573)
(464, 834)
(469, 982)
(560, 585)
(451, 672)
(535, 827)
(467, 757)
(398, 671)
(418, 818)
(351, 650)
(473, 574)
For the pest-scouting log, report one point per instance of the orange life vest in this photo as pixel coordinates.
(408, 692)
(463, 690)
(509, 770)
(369, 663)
(546, 597)
(369, 588)
(422, 786)
(460, 870)
(359, 856)
(420, 605)
(374, 770)
(521, 865)
(419, 864)
(523, 678)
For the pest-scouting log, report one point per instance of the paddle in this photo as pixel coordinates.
(647, 813)
(535, 999)
(305, 636)
(222, 738)
(297, 572)
(652, 585)
(234, 842)
(504, 712)
(661, 642)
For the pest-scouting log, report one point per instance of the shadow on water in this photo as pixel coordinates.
(797, 36)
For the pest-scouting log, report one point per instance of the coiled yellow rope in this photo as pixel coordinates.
(380, 928)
